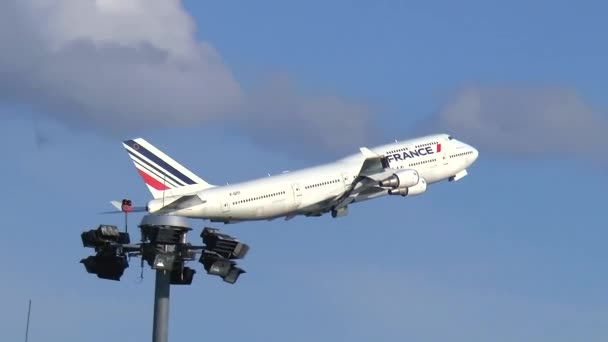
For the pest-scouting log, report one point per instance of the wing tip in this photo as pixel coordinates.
(368, 153)
(116, 204)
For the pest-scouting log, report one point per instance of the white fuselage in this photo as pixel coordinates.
(310, 191)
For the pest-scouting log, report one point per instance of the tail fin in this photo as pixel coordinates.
(163, 175)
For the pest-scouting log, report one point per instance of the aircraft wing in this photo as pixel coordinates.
(373, 170)
(373, 167)
(373, 163)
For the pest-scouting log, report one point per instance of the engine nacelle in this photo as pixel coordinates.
(410, 191)
(401, 179)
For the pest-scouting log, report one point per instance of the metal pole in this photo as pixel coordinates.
(27, 326)
(160, 331)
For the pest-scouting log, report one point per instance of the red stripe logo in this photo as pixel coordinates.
(151, 181)
(438, 148)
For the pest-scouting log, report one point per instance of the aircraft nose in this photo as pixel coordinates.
(473, 154)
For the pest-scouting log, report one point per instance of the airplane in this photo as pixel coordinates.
(403, 168)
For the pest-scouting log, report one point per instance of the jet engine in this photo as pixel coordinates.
(401, 179)
(410, 191)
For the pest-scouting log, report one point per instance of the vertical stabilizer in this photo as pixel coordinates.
(162, 174)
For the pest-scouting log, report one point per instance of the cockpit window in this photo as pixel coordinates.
(450, 137)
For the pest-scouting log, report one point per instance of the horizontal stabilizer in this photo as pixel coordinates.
(120, 209)
(183, 202)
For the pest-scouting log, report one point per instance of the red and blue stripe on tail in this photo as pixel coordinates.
(161, 173)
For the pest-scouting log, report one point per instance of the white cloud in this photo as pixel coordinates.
(125, 65)
(525, 121)
(278, 106)
(162, 24)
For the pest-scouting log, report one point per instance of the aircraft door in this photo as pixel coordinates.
(297, 193)
(443, 153)
(346, 178)
(225, 205)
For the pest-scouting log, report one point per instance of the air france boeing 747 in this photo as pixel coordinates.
(404, 168)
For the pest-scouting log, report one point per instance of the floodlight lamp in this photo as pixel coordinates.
(124, 238)
(90, 239)
(212, 235)
(103, 235)
(224, 244)
(208, 233)
(233, 275)
(221, 267)
(162, 235)
(106, 266)
(163, 261)
(208, 258)
(240, 250)
(108, 231)
(182, 276)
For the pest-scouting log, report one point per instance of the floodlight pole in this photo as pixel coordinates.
(27, 326)
(165, 248)
(162, 291)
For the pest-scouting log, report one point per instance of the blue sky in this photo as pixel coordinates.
(514, 252)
